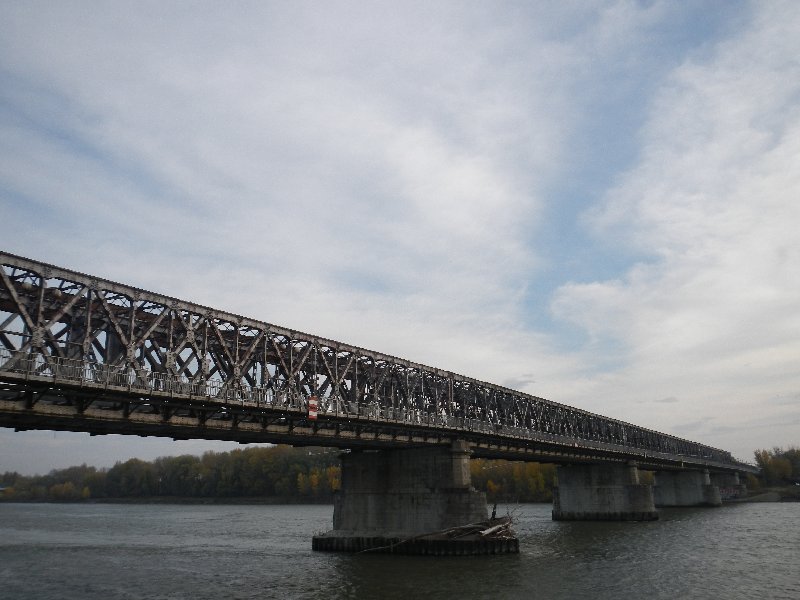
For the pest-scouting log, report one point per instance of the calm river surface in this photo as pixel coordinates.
(110, 551)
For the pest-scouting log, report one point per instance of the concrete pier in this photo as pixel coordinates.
(602, 493)
(390, 495)
(730, 486)
(685, 488)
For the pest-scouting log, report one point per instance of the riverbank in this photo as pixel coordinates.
(244, 501)
(789, 493)
(778, 494)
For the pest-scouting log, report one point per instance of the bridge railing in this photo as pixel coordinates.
(98, 375)
(140, 381)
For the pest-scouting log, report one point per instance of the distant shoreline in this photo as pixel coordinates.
(788, 494)
(785, 494)
(265, 500)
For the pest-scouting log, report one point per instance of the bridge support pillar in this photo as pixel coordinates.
(730, 486)
(685, 488)
(602, 493)
(388, 496)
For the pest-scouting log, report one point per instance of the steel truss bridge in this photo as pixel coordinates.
(80, 353)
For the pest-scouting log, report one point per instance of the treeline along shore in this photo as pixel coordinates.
(272, 474)
(286, 474)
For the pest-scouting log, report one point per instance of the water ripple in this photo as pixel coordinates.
(138, 552)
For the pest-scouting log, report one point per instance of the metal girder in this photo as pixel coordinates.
(97, 338)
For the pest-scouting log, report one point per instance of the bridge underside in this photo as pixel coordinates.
(594, 483)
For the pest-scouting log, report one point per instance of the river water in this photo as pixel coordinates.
(176, 552)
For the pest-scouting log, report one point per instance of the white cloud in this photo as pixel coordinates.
(712, 316)
(384, 176)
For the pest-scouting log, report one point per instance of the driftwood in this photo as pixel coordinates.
(499, 528)
(495, 529)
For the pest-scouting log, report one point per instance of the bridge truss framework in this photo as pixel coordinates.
(82, 353)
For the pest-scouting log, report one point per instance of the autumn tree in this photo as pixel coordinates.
(777, 465)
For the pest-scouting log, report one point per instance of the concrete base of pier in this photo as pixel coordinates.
(602, 493)
(685, 488)
(407, 492)
(392, 495)
(418, 546)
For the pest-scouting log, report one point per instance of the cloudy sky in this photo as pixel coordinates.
(594, 202)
